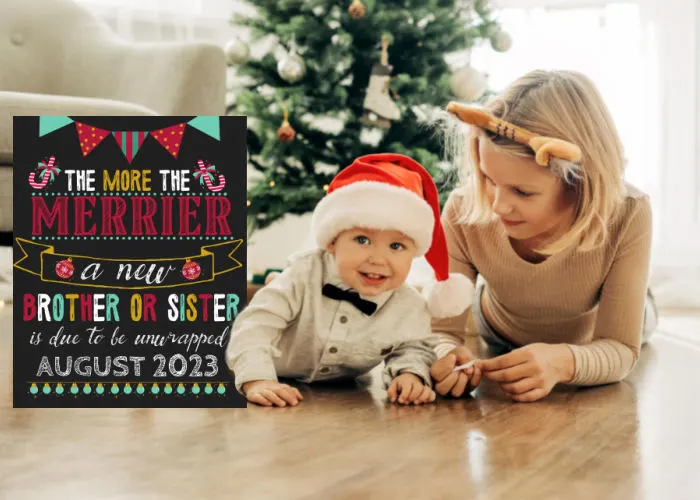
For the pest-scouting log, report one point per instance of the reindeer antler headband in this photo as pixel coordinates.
(544, 147)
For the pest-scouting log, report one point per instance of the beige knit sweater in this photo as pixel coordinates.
(592, 301)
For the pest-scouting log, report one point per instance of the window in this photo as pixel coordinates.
(183, 7)
(168, 20)
(607, 44)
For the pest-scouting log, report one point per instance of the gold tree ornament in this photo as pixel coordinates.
(357, 9)
(286, 133)
(468, 84)
(237, 51)
(291, 67)
(501, 41)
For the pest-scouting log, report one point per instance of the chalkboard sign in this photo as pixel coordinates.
(129, 260)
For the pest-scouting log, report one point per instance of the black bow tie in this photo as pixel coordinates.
(335, 293)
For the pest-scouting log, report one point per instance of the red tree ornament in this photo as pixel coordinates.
(286, 133)
(357, 9)
(191, 270)
(65, 268)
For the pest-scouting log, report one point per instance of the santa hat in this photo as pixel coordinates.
(394, 192)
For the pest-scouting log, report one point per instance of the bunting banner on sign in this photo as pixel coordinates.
(130, 141)
(207, 124)
(48, 124)
(89, 137)
(170, 138)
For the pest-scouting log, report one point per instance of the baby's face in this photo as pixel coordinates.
(373, 261)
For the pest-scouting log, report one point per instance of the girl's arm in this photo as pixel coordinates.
(452, 331)
(618, 333)
(257, 329)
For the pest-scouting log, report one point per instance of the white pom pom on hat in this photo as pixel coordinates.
(392, 191)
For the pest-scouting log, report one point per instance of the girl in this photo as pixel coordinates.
(558, 251)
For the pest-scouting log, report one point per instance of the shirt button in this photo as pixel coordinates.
(333, 350)
(325, 369)
(343, 319)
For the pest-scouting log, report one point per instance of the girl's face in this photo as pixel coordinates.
(373, 261)
(533, 204)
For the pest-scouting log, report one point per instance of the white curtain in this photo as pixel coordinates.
(607, 43)
(168, 20)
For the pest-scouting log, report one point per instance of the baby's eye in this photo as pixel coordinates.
(397, 246)
(362, 239)
(522, 193)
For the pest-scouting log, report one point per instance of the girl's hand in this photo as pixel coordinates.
(408, 388)
(530, 372)
(455, 383)
(271, 393)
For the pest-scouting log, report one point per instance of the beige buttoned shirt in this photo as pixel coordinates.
(290, 329)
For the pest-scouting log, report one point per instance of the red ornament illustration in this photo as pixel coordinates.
(191, 270)
(65, 269)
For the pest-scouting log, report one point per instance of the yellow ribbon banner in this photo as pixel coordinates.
(135, 274)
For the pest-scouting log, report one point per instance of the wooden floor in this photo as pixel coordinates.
(639, 439)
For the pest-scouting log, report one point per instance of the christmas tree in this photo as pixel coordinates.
(349, 79)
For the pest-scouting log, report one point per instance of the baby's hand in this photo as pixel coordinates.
(271, 393)
(409, 388)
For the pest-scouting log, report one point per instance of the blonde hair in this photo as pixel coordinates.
(561, 104)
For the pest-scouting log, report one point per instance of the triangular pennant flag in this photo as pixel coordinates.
(170, 138)
(130, 142)
(89, 137)
(48, 124)
(207, 124)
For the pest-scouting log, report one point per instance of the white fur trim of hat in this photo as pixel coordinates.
(373, 205)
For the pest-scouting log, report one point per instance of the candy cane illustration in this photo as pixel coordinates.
(48, 174)
(38, 185)
(205, 172)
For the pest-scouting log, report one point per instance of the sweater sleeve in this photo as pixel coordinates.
(451, 332)
(617, 337)
(257, 329)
